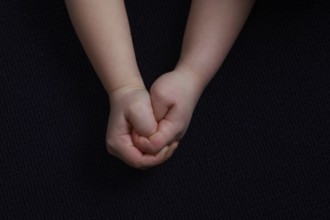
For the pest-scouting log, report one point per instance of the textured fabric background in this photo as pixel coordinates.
(257, 147)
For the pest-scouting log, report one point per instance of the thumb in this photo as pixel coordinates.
(160, 104)
(152, 144)
(169, 130)
(167, 133)
(143, 120)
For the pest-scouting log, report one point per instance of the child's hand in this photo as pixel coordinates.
(131, 110)
(174, 96)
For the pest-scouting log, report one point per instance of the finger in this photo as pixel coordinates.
(144, 144)
(163, 155)
(156, 142)
(160, 107)
(137, 159)
(172, 147)
(169, 130)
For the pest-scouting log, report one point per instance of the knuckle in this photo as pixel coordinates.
(148, 150)
(159, 143)
(109, 142)
(149, 129)
(151, 148)
(110, 145)
(181, 129)
(110, 150)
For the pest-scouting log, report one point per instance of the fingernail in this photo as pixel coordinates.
(165, 150)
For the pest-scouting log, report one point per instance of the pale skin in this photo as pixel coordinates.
(144, 129)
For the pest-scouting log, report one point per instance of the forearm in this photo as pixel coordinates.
(212, 27)
(103, 29)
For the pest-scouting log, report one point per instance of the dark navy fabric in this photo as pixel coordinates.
(257, 147)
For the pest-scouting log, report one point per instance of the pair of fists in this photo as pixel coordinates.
(144, 128)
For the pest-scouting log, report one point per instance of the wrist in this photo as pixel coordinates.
(119, 92)
(116, 76)
(123, 80)
(192, 76)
